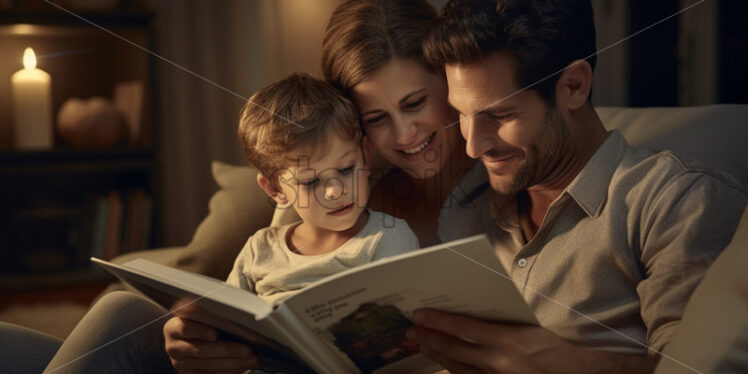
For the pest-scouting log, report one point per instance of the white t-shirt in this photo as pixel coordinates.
(267, 267)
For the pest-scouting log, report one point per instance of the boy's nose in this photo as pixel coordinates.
(333, 188)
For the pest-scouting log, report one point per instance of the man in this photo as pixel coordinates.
(605, 242)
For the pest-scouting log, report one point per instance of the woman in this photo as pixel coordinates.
(372, 51)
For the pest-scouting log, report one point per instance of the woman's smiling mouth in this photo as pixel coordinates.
(418, 148)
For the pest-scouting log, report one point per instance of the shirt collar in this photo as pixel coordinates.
(589, 188)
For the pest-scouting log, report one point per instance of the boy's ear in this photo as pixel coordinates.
(271, 190)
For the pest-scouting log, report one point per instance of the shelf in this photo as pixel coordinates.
(39, 281)
(62, 205)
(53, 16)
(76, 160)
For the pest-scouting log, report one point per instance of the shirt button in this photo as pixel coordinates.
(522, 262)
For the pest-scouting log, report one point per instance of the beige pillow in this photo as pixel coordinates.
(716, 135)
(236, 211)
(713, 334)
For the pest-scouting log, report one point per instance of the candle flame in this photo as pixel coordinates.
(29, 58)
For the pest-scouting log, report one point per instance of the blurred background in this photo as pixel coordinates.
(143, 179)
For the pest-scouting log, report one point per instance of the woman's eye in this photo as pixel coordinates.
(310, 183)
(415, 104)
(347, 170)
(375, 120)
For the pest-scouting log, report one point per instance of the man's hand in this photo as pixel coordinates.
(466, 345)
(193, 347)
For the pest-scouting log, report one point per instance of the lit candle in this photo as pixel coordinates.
(32, 105)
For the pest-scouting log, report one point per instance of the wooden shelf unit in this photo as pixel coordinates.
(55, 204)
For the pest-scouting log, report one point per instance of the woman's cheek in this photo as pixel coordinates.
(378, 136)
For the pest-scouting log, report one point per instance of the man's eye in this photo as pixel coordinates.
(501, 118)
(310, 183)
(347, 170)
(415, 104)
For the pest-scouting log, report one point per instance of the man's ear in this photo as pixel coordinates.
(574, 85)
(271, 190)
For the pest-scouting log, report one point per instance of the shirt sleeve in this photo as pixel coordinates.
(688, 225)
(396, 240)
(239, 276)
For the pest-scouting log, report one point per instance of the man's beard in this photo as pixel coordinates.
(541, 158)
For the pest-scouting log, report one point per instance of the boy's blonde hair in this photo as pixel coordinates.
(297, 112)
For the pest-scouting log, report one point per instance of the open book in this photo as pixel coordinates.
(353, 321)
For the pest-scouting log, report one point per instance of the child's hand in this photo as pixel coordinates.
(193, 347)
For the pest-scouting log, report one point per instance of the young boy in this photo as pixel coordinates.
(305, 139)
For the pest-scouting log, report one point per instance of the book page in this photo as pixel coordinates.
(239, 314)
(365, 311)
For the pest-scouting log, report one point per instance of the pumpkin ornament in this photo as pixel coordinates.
(92, 123)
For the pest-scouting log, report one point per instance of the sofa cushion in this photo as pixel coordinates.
(713, 334)
(236, 211)
(716, 135)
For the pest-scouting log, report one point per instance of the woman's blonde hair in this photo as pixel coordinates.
(363, 35)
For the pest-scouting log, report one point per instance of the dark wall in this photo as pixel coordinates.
(733, 54)
(653, 53)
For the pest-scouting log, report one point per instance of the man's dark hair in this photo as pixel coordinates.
(541, 36)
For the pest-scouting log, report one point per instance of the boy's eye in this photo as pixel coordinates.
(415, 104)
(310, 183)
(346, 170)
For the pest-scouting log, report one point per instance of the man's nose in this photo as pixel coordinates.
(477, 140)
(333, 188)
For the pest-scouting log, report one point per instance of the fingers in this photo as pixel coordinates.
(465, 327)
(198, 349)
(192, 347)
(463, 344)
(444, 348)
(201, 356)
(177, 327)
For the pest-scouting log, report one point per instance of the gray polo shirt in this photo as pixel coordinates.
(621, 249)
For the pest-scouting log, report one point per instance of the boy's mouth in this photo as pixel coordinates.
(342, 210)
